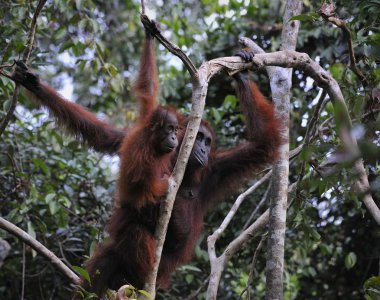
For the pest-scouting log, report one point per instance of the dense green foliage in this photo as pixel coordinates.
(61, 193)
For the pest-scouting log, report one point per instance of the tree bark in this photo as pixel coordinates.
(280, 85)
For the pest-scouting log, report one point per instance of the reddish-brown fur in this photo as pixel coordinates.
(77, 120)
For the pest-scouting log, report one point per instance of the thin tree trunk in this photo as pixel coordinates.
(280, 85)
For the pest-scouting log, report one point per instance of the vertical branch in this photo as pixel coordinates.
(280, 85)
(28, 50)
(253, 263)
(198, 103)
(200, 85)
(142, 7)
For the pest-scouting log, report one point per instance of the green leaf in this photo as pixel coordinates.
(189, 278)
(190, 268)
(230, 102)
(311, 272)
(372, 287)
(7, 104)
(33, 194)
(315, 234)
(372, 282)
(336, 70)
(100, 49)
(49, 197)
(113, 70)
(350, 260)
(129, 291)
(83, 23)
(64, 201)
(146, 294)
(325, 249)
(53, 207)
(61, 32)
(216, 114)
(31, 230)
(312, 17)
(83, 273)
(66, 45)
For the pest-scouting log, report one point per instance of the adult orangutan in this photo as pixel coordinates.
(146, 154)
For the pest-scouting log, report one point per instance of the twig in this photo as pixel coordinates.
(217, 263)
(369, 114)
(250, 275)
(23, 272)
(343, 123)
(311, 127)
(32, 31)
(213, 238)
(310, 131)
(233, 247)
(264, 198)
(29, 45)
(36, 245)
(7, 65)
(328, 13)
(196, 292)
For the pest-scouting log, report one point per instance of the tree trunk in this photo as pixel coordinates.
(280, 85)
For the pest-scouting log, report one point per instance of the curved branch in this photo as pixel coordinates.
(36, 245)
(302, 61)
(328, 14)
